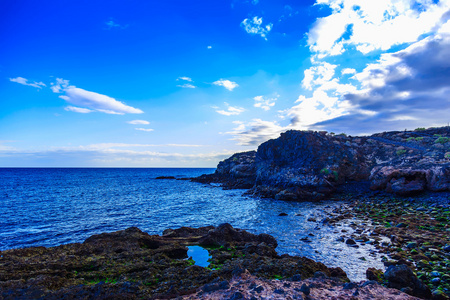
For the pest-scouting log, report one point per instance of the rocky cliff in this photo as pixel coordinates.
(310, 165)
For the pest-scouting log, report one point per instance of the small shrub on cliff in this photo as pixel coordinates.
(235, 159)
(447, 155)
(419, 138)
(325, 171)
(442, 140)
(342, 134)
(336, 176)
(401, 152)
(420, 129)
(437, 135)
(410, 139)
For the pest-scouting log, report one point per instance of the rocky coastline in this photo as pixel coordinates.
(396, 183)
(311, 165)
(131, 264)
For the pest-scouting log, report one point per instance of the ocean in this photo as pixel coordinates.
(54, 206)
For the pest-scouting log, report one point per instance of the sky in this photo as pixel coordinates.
(171, 83)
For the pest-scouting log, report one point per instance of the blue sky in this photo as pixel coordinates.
(186, 84)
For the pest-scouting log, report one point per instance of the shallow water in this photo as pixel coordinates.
(49, 207)
(199, 255)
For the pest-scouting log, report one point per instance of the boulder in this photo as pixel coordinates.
(402, 277)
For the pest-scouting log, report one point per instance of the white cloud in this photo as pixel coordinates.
(229, 85)
(209, 47)
(348, 71)
(186, 86)
(230, 111)
(111, 25)
(104, 155)
(374, 25)
(320, 107)
(91, 100)
(265, 104)
(185, 78)
(145, 129)
(78, 109)
(318, 75)
(255, 132)
(24, 81)
(138, 122)
(254, 26)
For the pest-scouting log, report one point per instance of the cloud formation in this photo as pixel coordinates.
(24, 81)
(230, 110)
(187, 86)
(229, 85)
(113, 25)
(373, 25)
(108, 155)
(407, 87)
(138, 122)
(254, 26)
(185, 78)
(265, 104)
(87, 101)
(145, 129)
(255, 132)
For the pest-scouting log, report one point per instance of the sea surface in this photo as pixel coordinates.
(52, 206)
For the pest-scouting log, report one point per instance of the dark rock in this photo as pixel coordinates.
(225, 233)
(237, 295)
(283, 214)
(211, 287)
(350, 242)
(401, 276)
(401, 225)
(296, 277)
(349, 285)
(278, 291)
(320, 274)
(374, 274)
(308, 165)
(165, 177)
(305, 289)
(258, 289)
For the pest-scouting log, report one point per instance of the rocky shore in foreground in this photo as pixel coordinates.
(131, 264)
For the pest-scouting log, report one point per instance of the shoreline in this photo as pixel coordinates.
(349, 207)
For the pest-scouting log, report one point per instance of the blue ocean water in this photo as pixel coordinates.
(49, 207)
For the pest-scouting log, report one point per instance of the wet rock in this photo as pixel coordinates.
(165, 177)
(401, 276)
(225, 234)
(283, 214)
(439, 295)
(350, 242)
(211, 287)
(374, 274)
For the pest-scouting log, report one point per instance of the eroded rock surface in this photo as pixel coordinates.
(308, 165)
(131, 264)
(248, 287)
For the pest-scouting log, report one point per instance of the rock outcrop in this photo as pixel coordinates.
(131, 264)
(309, 165)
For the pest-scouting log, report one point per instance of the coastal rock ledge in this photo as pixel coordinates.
(311, 165)
(131, 264)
